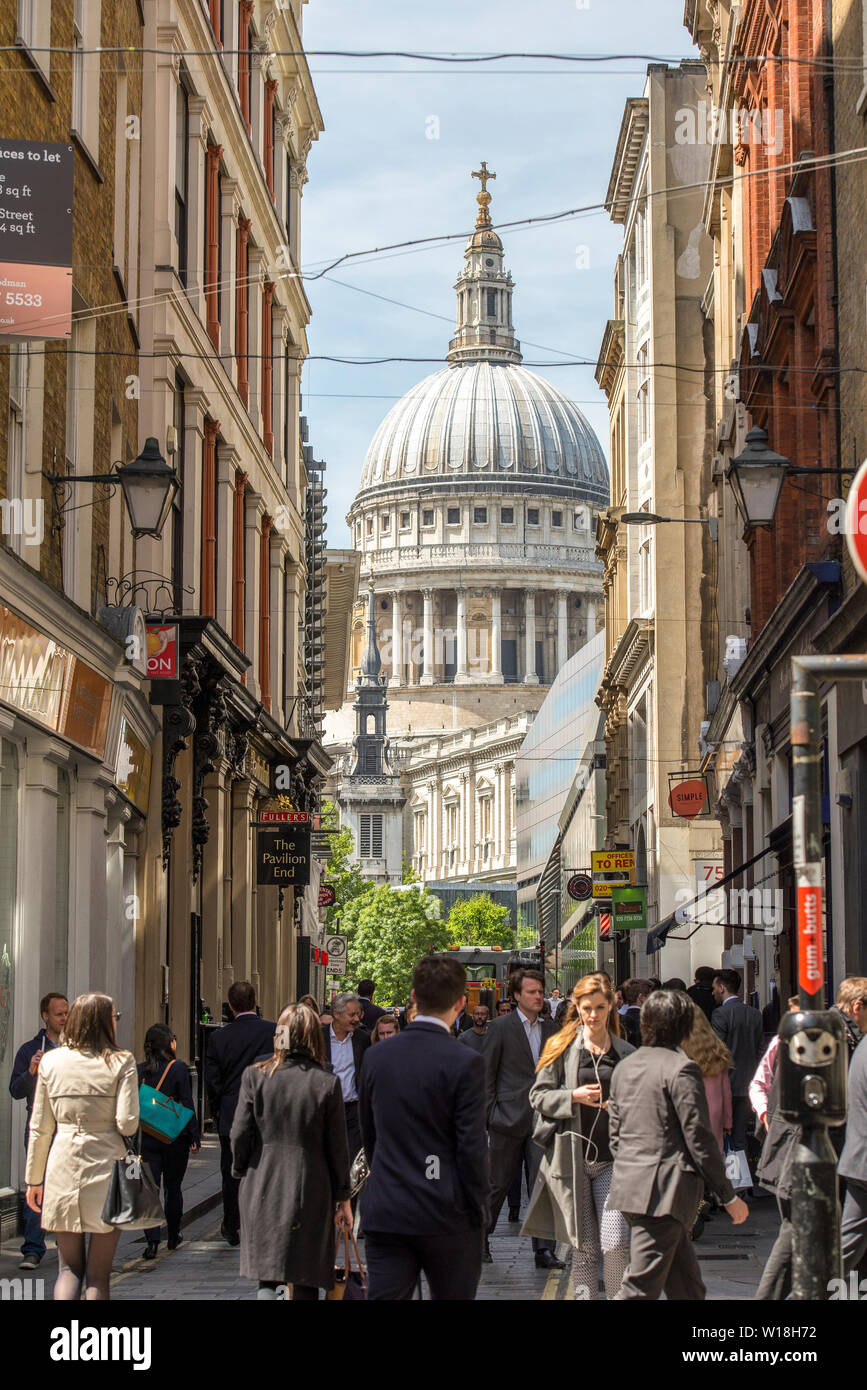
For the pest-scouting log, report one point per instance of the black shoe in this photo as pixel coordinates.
(151, 1249)
(231, 1237)
(174, 1241)
(514, 1213)
(546, 1259)
(487, 1257)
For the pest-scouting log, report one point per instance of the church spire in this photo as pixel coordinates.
(371, 662)
(370, 746)
(484, 330)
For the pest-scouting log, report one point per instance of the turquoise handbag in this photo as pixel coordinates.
(162, 1118)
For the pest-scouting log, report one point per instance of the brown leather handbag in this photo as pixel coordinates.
(349, 1283)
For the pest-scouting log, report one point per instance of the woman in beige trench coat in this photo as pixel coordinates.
(570, 1097)
(86, 1099)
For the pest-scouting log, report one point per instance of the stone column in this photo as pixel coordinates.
(461, 668)
(396, 638)
(427, 676)
(562, 631)
(591, 620)
(255, 510)
(530, 677)
(496, 657)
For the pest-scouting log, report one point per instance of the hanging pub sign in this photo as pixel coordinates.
(327, 895)
(580, 885)
(283, 856)
(162, 648)
(688, 795)
(36, 181)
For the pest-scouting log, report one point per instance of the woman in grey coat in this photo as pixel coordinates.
(290, 1150)
(570, 1097)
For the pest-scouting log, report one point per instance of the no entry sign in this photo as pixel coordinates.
(856, 521)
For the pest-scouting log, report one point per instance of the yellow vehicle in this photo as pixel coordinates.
(488, 969)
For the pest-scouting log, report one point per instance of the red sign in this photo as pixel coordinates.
(162, 643)
(856, 521)
(604, 924)
(689, 798)
(285, 817)
(327, 895)
(811, 969)
(36, 187)
(580, 887)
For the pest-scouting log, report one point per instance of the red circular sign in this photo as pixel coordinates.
(856, 521)
(580, 887)
(689, 798)
(326, 895)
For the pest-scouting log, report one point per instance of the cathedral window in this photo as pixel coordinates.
(556, 518)
(427, 517)
(532, 516)
(370, 525)
(405, 521)
(453, 516)
(480, 516)
(370, 837)
(507, 516)
(385, 522)
(492, 304)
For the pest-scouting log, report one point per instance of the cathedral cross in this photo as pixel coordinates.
(483, 198)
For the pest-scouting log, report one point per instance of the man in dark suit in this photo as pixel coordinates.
(231, 1050)
(370, 1012)
(701, 992)
(664, 1153)
(346, 1042)
(422, 1118)
(511, 1050)
(634, 994)
(739, 1026)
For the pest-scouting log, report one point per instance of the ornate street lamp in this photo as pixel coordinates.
(756, 477)
(148, 483)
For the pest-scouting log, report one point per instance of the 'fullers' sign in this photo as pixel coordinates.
(283, 856)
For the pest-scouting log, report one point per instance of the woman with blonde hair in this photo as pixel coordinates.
(570, 1096)
(714, 1062)
(86, 1100)
(290, 1150)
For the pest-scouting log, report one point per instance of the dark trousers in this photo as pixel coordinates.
(353, 1127)
(452, 1264)
(168, 1163)
(510, 1155)
(775, 1284)
(34, 1237)
(853, 1231)
(740, 1113)
(514, 1196)
(661, 1260)
(231, 1209)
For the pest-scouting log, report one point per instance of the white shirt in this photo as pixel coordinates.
(429, 1018)
(343, 1063)
(534, 1035)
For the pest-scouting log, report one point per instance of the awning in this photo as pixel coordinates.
(656, 937)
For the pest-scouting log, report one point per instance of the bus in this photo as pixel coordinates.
(488, 969)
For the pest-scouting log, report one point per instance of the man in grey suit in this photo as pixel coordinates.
(853, 1160)
(511, 1048)
(664, 1152)
(739, 1026)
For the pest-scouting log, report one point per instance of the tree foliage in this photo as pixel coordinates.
(479, 921)
(344, 876)
(388, 930)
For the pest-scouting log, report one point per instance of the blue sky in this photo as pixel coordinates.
(377, 178)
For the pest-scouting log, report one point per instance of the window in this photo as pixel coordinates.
(182, 144)
(645, 570)
(405, 521)
(643, 395)
(358, 530)
(480, 516)
(492, 304)
(556, 518)
(452, 826)
(507, 516)
(427, 517)
(453, 516)
(532, 516)
(34, 31)
(18, 364)
(370, 525)
(86, 26)
(370, 837)
(385, 522)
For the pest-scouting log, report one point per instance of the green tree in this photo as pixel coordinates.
(344, 876)
(479, 921)
(388, 930)
(527, 935)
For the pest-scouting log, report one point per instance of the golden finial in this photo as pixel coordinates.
(484, 198)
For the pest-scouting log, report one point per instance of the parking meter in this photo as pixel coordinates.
(813, 1065)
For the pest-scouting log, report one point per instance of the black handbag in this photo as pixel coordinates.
(133, 1199)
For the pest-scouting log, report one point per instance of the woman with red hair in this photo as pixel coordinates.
(570, 1096)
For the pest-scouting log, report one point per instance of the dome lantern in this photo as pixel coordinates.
(484, 292)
